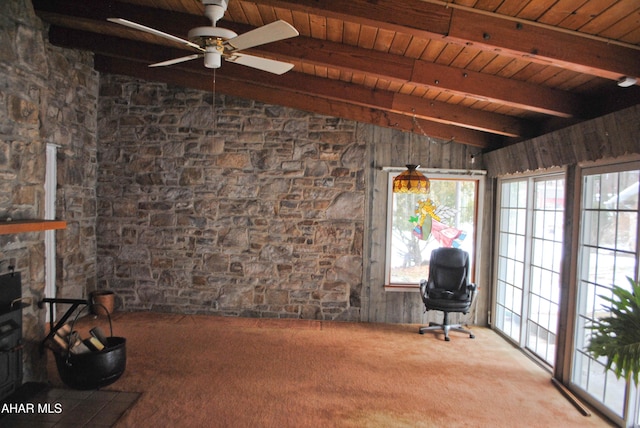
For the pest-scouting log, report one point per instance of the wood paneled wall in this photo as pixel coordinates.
(609, 137)
(390, 148)
(606, 137)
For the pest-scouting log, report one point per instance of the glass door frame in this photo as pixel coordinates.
(632, 398)
(530, 180)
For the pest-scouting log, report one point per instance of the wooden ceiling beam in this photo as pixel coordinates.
(379, 65)
(487, 31)
(407, 105)
(460, 116)
(175, 23)
(415, 17)
(337, 90)
(285, 97)
(403, 70)
(497, 89)
(544, 46)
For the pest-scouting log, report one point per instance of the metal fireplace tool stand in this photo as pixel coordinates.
(53, 329)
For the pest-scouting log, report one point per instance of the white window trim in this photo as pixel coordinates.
(467, 174)
(50, 184)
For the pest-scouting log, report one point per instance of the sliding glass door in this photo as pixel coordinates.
(544, 268)
(608, 255)
(531, 219)
(511, 257)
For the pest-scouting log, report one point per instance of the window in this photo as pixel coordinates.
(608, 254)
(530, 235)
(416, 224)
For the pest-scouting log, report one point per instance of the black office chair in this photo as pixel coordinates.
(447, 289)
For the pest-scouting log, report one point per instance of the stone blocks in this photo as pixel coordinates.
(245, 209)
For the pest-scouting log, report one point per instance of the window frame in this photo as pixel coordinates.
(479, 176)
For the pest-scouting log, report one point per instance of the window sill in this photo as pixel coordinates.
(402, 288)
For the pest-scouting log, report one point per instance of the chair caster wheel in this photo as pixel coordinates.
(420, 331)
(447, 339)
(471, 336)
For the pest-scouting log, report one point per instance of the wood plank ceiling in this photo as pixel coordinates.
(481, 72)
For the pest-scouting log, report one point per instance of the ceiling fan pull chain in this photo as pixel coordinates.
(213, 106)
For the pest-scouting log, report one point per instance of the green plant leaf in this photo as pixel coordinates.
(617, 336)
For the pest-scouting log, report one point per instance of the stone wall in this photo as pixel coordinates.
(71, 123)
(237, 208)
(47, 95)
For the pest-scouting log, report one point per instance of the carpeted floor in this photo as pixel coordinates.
(196, 371)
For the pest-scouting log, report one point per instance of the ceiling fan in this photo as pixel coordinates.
(214, 43)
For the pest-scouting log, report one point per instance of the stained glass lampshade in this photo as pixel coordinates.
(411, 181)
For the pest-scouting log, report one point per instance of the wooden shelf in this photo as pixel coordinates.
(19, 226)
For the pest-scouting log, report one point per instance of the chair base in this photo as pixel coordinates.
(445, 327)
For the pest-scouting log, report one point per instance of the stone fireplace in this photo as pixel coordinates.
(47, 95)
(11, 304)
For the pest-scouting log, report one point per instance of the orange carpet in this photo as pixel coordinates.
(204, 371)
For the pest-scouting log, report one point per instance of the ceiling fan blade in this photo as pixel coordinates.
(264, 64)
(277, 30)
(176, 60)
(153, 31)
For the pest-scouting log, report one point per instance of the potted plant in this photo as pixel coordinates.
(102, 302)
(617, 336)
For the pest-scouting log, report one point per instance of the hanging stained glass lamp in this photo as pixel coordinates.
(411, 181)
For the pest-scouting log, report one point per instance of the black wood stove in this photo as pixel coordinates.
(11, 305)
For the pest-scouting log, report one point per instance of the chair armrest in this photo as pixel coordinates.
(426, 286)
(423, 288)
(472, 290)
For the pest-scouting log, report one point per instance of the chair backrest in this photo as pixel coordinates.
(449, 269)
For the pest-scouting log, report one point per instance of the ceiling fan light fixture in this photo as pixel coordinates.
(411, 181)
(212, 57)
